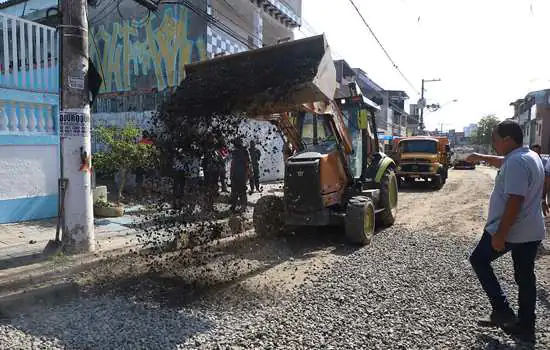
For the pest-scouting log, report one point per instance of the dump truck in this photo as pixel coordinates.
(337, 174)
(459, 158)
(423, 158)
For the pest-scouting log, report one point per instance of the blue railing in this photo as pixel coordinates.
(29, 82)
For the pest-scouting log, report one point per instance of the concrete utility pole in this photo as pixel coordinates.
(423, 103)
(74, 128)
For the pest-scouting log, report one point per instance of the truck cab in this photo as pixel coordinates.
(422, 158)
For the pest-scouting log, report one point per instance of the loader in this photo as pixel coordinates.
(337, 176)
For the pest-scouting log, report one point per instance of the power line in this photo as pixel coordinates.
(383, 48)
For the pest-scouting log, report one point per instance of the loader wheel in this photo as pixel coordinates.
(360, 220)
(268, 217)
(388, 199)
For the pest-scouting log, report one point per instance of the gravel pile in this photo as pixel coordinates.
(405, 291)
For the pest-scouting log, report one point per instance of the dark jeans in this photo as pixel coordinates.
(238, 192)
(255, 178)
(523, 255)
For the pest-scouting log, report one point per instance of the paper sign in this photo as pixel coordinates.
(74, 124)
(76, 82)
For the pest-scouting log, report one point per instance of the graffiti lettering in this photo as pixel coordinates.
(148, 52)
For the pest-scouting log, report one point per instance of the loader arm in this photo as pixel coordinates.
(288, 129)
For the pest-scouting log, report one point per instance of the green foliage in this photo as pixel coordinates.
(485, 128)
(122, 152)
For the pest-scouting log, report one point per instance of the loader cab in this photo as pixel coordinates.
(317, 133)
(359, 120)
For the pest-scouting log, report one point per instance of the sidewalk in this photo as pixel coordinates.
(24, 242)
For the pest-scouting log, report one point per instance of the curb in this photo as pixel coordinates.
(58, 286)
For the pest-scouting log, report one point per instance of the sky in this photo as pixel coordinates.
(487, 53)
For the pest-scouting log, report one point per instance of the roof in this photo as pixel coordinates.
(366, 84)
(540, 96)
(398, 93)
(343, 69)
(429, 138)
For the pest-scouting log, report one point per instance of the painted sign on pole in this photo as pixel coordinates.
(74, 124)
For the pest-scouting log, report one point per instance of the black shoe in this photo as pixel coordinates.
(498, 319)
(521, 333)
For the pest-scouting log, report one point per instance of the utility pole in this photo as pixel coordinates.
(75, 129)
(423, 103)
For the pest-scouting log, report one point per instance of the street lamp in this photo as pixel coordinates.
(436, 106)
(423, 102)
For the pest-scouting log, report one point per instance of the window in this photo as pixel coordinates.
(418, 146)
(317, 134)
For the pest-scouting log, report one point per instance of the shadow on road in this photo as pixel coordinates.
(419, 187)
(25, 260)
(181, 278)
(489, 342)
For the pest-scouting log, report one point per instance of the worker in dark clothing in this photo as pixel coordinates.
(255, 155)
(239, 174)
(223, 155)
(211, 172)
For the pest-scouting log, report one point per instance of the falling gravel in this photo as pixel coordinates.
(405, 291)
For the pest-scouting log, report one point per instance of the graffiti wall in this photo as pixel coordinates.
(145, 51)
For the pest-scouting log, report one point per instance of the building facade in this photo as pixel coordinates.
(141, 54)
(533, 114)
(392, 120)
(29, 111)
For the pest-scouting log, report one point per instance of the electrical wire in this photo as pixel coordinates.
(92, 35)
(244, 21)
(210, 19)
(144, 22)
(383, 48)
(108, 7)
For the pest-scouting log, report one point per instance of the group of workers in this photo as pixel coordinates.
(244, 167)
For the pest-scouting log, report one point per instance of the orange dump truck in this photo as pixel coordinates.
(422, 158)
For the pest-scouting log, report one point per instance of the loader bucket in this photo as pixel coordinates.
(260, 82)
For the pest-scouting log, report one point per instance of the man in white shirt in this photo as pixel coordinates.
(514, 223)
(537, 148)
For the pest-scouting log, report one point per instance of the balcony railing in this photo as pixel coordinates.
(281, 11)
(29, 55)
(29, 82)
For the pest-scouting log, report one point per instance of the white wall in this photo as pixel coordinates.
(262, 132)
(28, 171)
(270, 144)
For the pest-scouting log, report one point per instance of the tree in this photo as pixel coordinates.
(485, 128)
(122, 152)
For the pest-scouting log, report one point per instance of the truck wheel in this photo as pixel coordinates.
(438, 182)
(388, 199)
(268, 217)
(360, 220)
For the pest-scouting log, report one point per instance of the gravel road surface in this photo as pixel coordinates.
(412, 288)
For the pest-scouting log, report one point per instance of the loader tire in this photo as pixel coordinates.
(268, 217)
(388, 199)
(360, 220)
